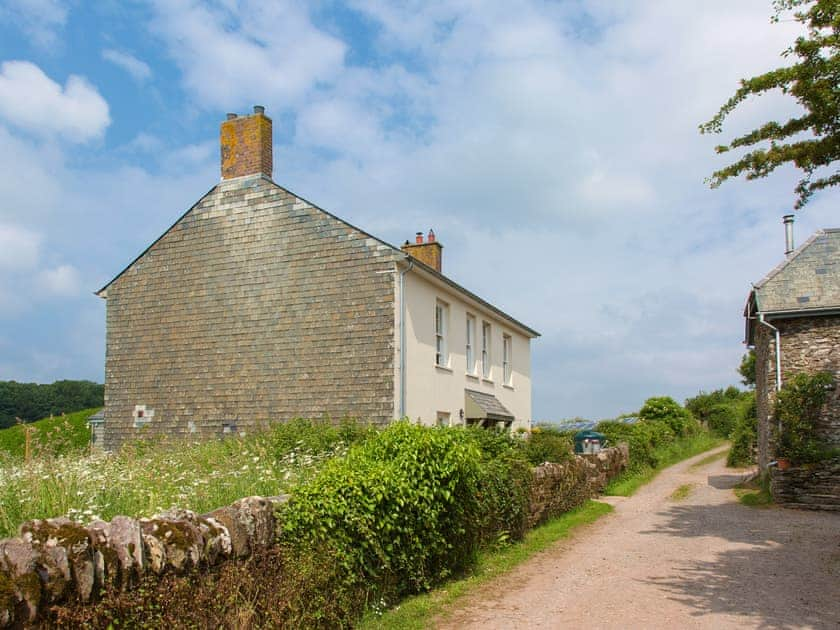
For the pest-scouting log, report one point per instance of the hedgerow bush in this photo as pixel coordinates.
(411, 506)
(797, 409)
(744, 436)
(547, 445)
(662, 421)
(720, 410)
(398, 509)
(666, 410)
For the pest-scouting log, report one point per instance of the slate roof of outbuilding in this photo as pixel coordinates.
(489, 404)
(807, 280)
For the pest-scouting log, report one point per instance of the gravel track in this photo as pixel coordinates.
(705, 561)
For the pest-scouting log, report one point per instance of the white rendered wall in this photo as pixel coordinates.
(430, 389)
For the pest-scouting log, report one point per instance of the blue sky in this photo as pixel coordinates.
(552, 146)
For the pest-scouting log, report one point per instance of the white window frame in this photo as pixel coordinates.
(470, 346)
(441, 329)
(486, 349)
(507, 358)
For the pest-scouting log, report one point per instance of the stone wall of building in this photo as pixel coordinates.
(808, 344)
(813, 487)
(254, 307)
(60, 562)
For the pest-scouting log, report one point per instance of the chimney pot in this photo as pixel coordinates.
(418, 238)
(788, 221)
(431, 237)
(230, 116)
(259, 109)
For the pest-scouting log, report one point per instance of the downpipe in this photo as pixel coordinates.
(402, 336)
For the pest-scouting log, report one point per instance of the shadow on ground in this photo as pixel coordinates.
(786, 574)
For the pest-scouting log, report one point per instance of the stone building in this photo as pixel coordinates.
(257, 306)
(793, 322)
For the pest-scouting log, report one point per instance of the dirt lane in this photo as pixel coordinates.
(703, 562)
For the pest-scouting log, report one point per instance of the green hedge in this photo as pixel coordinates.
(662, 420)
(411, 505)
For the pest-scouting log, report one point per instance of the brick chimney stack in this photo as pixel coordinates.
(429, 252)
(246, 145)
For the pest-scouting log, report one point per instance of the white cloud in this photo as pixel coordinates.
(19, 247)
(137, 68)
(61, 281)
(41, 20)
(32, 101)
(238, 54)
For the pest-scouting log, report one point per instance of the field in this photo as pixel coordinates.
(147, 478)
(59, 435)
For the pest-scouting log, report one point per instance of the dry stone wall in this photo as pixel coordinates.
(812, 487)
(558, 488)
(56, 561)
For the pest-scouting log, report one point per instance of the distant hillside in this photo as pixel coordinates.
(54, 436)
(31, 401)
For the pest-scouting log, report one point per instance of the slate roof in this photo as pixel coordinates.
(807, 280)
(103, 292)
(490, 405)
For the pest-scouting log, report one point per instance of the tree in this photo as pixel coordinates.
(747, 369)
(811, 142)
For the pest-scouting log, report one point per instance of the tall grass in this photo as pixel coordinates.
(144, 478)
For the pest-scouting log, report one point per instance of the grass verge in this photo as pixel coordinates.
(416, 612)
(681, 492)
(708, 460)
(754, 493)
(627, 483)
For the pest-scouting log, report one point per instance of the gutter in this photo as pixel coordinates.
(402, 335)
(778, 350)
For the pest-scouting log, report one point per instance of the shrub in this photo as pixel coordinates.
(639, 436)
(797, 409)
(547, 445)
(400, 509)
(744, 435)
(668, 411)
(720, 410)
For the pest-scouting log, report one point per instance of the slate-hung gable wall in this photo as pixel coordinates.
(255, 307)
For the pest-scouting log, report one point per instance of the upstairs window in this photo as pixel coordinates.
(470, 344)
(441, 318)
(485, 349)
(507, 350)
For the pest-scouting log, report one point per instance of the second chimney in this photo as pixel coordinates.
(246, 145)
(429, 253)
(788, 221)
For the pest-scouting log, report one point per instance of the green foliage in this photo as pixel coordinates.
(797, 409)
(747, 368)
(810, 141)
(31, 401)
(666, 410)
(744, 436)
(547, 445)
(397, 509)
(51, 437)
(721, 409)
(412, 505)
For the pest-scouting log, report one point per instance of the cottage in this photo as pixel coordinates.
(257, 306)
(793, 322)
